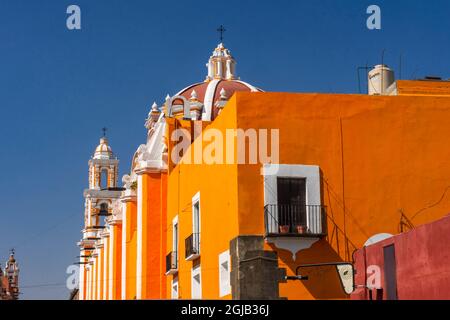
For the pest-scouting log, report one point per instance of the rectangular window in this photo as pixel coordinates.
(291, 202)
(196, 217)
(224, 274)
(175, 241)
(196, 283)
(175, 237)
(196, 222)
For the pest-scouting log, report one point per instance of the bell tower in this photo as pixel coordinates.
(12, 276)
(100, 198)
(103, 177)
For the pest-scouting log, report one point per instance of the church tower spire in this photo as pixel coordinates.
(103, 179)
(12, 278)
(100, 198)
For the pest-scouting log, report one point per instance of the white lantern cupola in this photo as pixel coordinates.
(221, 64)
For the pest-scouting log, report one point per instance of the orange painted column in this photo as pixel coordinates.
(128, 283)
(115, 260)
(150, 236)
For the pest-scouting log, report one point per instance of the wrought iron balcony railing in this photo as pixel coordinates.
(295, 220)
(192, 246)
(172, 263)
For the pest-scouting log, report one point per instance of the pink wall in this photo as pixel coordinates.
(422, 263)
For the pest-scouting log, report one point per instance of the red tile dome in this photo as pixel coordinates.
(208, 93)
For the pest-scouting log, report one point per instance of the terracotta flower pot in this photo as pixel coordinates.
(284, 229)
(301, 229)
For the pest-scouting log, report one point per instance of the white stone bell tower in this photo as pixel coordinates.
(100, 198)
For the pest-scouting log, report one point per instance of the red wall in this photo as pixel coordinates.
(422, 262)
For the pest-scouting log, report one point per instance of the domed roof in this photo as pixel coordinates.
(103, 150)
(209, 93)
(221, 82)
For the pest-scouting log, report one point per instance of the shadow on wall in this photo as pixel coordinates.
(323, 282)
(337, 236)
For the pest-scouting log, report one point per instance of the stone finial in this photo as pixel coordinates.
(165, 106)
(153, 116)
(223, 94)
(194, 96)
(223, 99)
(155, 112)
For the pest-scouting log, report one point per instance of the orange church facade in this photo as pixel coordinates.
(337, 171)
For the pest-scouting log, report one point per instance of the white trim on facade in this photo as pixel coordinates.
(81, 281)
(105, 268)
(209, 99)
(310, 173)
(175, 235)
(196, 225)
(112, 250)
(99, 280)
(88, 281)
(124, 251)
(224, 273)
(313, 198)
(196, 282)
(174, 288)
(139, 234)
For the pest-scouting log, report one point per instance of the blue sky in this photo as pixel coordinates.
(58, 88)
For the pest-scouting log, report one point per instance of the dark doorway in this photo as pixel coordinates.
(291, 194)
(390, 272)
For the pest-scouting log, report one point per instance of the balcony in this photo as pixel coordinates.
(295, 221)
(172, 263)
(192, 246)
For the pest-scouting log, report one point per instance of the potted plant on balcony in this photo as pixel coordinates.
(301, 229)
(284, 229)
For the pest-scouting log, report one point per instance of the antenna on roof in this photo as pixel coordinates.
(382, 64)
(366, 68)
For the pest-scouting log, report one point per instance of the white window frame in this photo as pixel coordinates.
(174, 288)
(196, 290)
(308, 172)
(175, 235)
(195, 201)
(224, 275)
(175, 244)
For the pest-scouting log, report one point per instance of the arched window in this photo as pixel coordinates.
(104, 179)
(104, 209)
